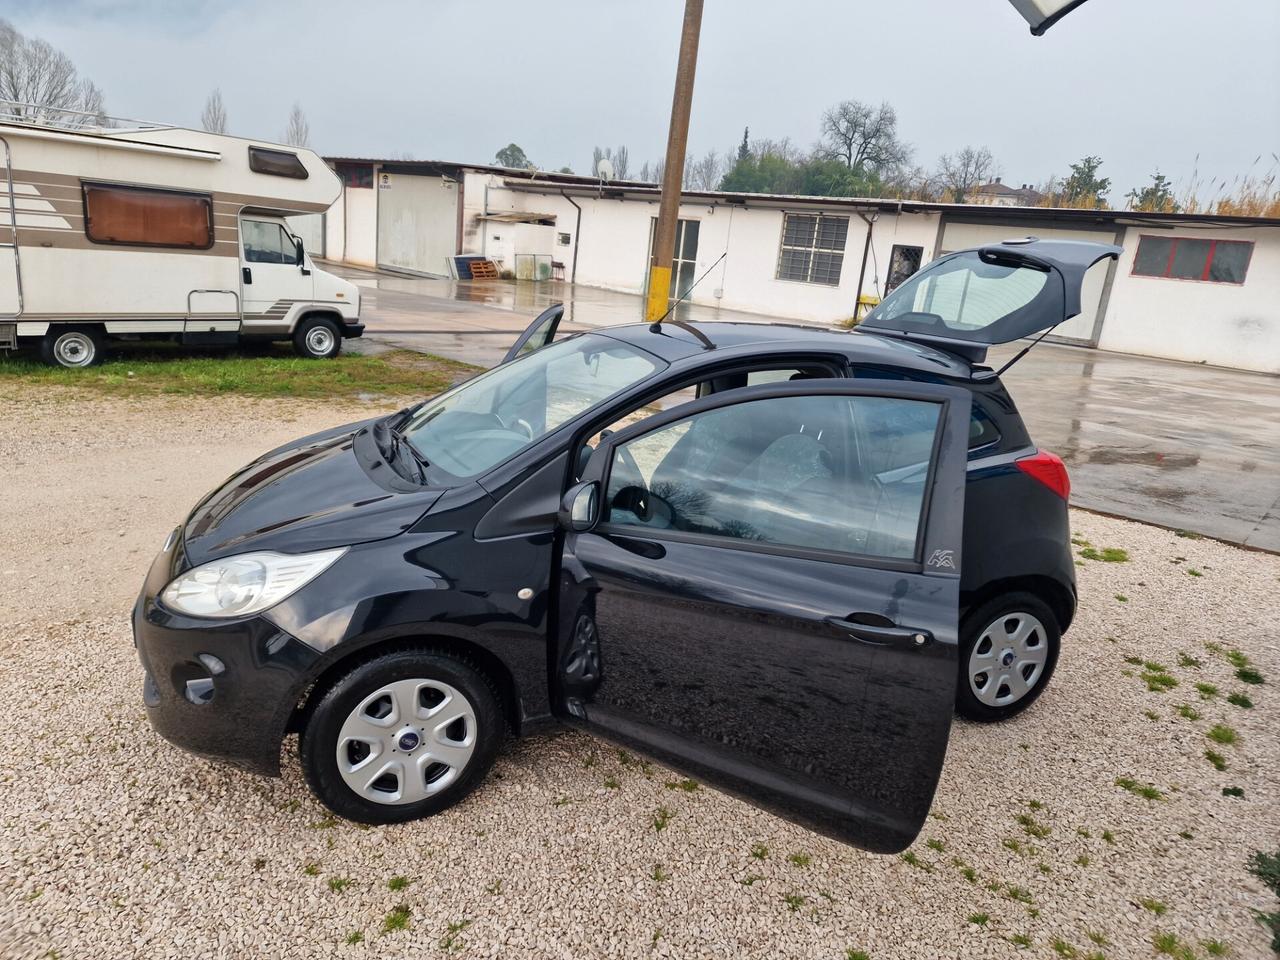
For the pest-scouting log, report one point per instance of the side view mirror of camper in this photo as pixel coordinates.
(298, 257)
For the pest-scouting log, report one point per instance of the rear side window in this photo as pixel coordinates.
(982, 429)
(140, 216)
(276, 163)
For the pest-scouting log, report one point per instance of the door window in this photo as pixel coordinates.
(822, 472)
(267, 243)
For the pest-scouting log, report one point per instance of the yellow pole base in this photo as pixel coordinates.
(659, 294)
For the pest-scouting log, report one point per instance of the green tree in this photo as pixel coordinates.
(1084, 188)
(1155, 197)
(744, 148)
(512, 156)
(770, 172)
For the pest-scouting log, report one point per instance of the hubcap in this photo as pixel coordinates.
(73, 350)
(319, 340)
(1008, 659)
(406, 741)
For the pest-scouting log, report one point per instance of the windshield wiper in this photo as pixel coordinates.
(392, 444)
(400, 442)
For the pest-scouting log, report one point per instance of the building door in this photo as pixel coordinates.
(684, 267)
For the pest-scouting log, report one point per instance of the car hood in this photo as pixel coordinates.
(314, 494)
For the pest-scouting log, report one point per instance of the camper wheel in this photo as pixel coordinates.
(318, 338)
(72, 347)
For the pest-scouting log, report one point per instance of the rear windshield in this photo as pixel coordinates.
(964, 297)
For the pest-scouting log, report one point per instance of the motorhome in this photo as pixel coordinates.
(114, 231)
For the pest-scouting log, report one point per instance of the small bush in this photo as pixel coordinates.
(1218, 760)
(1221, 733)
(1240, 700)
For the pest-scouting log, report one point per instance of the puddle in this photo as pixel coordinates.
(1109, 455)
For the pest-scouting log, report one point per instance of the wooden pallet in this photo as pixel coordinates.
(484, 270)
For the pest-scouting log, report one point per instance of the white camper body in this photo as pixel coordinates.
(160, 232)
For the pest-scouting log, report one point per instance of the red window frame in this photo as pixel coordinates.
(1208, 260)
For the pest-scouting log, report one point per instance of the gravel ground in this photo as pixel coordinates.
(115, 844)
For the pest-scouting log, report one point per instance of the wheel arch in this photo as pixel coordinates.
(306, 313)
(347, 656)
(1059, 598)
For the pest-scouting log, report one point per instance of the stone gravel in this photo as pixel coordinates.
(115, 844)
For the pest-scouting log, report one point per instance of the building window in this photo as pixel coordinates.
(277, 163)
(812, 247)
(903, 262)
(355, 174)
(140, 216)
(1193, 258)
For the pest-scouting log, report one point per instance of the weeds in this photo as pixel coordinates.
(612, 782)
(1031, 828)
(1188, 711)
(1106, 554)
(398, 883)
(1218, 760)
(1186, 660)
(1249, 675)
(981, 919)
(493, 889)
(658, 874)
(800, 860)
(910, 858)
(852, 954)
(933, 843)
(1207, 690)
(1168, 943)
(759, 851)
(397, 919)
(1098, 937)
(1221, 733)
(750, 879)
(1193, 572)
(1157, 907)
(1188, 535)
(1109, 837)
(661, 818)
(688, 786)
(354, 937)
(1240, 700)
(794, 901)
(1063, 949)
(1233, 791)
(1021, 894)
(1122, 598)
(1082, 860)
(1145, 790)
(338, 884)
(312, 869)
(1020, 940)
(450, 940)
(1215, 948)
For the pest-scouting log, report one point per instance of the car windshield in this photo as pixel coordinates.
(480, 423)
(965, 297)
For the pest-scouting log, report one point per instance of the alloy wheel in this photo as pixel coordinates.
(406, 741)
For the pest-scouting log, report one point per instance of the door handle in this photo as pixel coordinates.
(883, 636)
(247, 274)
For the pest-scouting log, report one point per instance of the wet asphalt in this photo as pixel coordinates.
(1180, 445)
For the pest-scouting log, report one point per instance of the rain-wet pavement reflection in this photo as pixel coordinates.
(1176, 444)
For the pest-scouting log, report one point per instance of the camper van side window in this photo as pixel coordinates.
(277, 163)
(267, 243)
(140, 216)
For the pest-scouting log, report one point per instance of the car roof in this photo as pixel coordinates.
(679, 341)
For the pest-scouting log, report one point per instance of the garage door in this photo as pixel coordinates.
(417, 222)
(958, 236)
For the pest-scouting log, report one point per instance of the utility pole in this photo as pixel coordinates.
(664, 238)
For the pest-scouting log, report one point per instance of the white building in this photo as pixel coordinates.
(1188, 287)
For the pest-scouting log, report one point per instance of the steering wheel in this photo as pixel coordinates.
(526, 426)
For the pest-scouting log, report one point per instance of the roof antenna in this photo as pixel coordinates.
(656, 327)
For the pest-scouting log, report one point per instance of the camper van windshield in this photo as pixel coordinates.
(488, 419)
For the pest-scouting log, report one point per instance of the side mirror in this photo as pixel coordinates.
(580, 507)
(299, 256)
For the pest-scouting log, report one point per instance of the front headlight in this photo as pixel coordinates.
(245, 584)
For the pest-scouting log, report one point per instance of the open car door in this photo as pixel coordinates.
(966, 301)
(538, 334)
(760, 589)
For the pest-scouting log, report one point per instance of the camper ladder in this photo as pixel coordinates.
(9, 240)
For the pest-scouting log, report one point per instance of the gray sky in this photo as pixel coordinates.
(1142, 83)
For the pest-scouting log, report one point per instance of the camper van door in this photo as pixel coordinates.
(272, 279)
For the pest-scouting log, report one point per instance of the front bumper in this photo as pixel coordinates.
(225, 690)
(352, 329)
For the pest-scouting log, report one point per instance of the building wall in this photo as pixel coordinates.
(1218, 323)
(361, 222)
(417, 222)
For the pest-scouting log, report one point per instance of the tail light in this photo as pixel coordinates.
(1049, 469)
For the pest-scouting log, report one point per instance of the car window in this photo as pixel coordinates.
(844, 474)
(488, 419)
(266, 243)
(982, 429)
(719, 384)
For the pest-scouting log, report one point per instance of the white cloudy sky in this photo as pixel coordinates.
(1176, 84)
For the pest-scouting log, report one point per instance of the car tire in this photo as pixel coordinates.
(317, 338)
(1015, 637)
(357, 748)
(73, 347)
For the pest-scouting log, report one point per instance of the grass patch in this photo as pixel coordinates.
(1266, 867)
(1218, 760)
(1151, 715)
(1221, 733)
(658, 874)
(1158, 907)
(1098, 937)
(910, 858)
(852, 954)
(450, 939)
(1157, 680)
(794, 901)
(799, 860)
(1083, 860)
(759, 851)
(338, 884)
(1249, 675)
(1106, 554)
(1063, 949)
(1193, 572)
(612, 782)
(354, 937)
(1109, 837)
(1020, 940)
(1207, 691)
(1145, 790)
(397, 919)
(1021, 894)
(688, 786)
(1186, 660)
(312, 869)
(165, 370)
(398, 883)
(493, 889)
(661, 817)
(1240, 700)
(1215, 948)
(1170, 945)
(933, 843)
(981, 919)
(1122, 598)
(1233, 791)
(1032, 828)
(1189, 712)
(1010, 843)
(1188, 535)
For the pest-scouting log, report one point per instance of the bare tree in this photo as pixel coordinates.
(965, 169)
(45, 83)
(863, 137)
(646, 173)
(782, 149)
(707, 172)
(622, 163)
(298, 132)
(911, 183)
(214, 117)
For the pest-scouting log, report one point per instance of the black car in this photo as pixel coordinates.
(773, 557)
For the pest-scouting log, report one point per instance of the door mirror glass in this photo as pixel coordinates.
(298, 252)
(580, 507)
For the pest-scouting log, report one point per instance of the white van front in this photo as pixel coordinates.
(283, 294)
